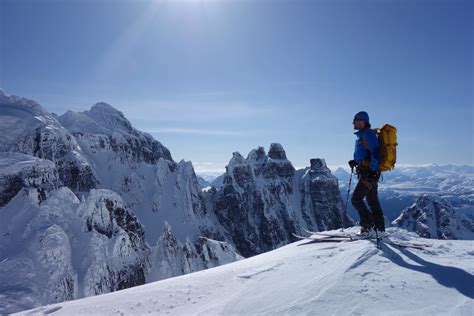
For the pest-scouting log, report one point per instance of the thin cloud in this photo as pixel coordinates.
(193, 111)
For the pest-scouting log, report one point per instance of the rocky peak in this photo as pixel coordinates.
(259, 200)
(276, 151)
(237, 158)
(257, 155)
(321, 199)
(433, 217)
(318, 167)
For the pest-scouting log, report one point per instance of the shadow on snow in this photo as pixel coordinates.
(447, 276)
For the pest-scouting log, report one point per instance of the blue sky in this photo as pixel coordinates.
(207, 78)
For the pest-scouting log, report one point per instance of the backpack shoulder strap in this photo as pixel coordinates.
(364, 142)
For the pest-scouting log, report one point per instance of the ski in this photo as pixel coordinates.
(328, 234)
(326, 237)
(311, 237)
(352, 237)
(324, 240)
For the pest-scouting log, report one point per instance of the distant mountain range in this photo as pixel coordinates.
(401, 187)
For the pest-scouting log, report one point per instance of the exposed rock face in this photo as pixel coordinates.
(264, 200)
(321, 203)
(29, 129)
(18, 171)
(433, 217)
(117, 237)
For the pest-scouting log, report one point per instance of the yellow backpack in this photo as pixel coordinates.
(388, 147)
(387, 136)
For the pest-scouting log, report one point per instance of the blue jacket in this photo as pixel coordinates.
(361, 153)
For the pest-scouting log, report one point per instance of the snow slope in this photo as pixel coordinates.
(352, 278)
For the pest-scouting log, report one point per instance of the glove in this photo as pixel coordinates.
(352, 164)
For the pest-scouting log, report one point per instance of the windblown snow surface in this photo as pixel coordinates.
(349, 278)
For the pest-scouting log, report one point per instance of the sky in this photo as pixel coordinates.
(208, 78)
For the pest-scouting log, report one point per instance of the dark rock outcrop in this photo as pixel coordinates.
(264, 200)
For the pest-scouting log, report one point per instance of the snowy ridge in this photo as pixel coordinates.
(331, 279)
(433, 217)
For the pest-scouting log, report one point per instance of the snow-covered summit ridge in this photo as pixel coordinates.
(105, 128)
(6, 98)
(102, 118)
(325, 278)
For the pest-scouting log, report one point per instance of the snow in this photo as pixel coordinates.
(351, 278)
(47, 254)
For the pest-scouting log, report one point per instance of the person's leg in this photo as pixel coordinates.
(357, 200)
(376, 208)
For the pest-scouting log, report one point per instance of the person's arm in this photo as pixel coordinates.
(372, 144)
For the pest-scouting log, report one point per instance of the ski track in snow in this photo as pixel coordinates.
(319, 279)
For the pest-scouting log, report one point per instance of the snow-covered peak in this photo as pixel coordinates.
(3, 93)
(109, 117)
(79, 122)
(431, 216)
(105, 130)
(101, 119)
(19, 116)
(29, 129)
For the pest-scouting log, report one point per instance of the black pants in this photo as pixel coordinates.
(368, 189)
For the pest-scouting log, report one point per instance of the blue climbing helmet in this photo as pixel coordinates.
(362, 116)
